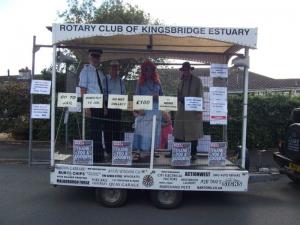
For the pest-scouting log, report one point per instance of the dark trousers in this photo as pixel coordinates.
(193, 145)
(96, 123)
(112, 128)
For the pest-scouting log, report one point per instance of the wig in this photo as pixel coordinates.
(154, 75)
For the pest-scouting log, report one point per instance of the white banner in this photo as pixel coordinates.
(219, 70)
(92, 101)
(144, 178)
(40, 111)
(167, 103)
(240, 36)
(83, 152)
(118, 102)
(193, 104)
(66, 99)
(142, 102)
(41, 87)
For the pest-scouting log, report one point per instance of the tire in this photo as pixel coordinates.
(111, 197)
(165, 199)
(296, 180)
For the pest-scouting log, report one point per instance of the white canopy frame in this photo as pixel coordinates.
(203, 44)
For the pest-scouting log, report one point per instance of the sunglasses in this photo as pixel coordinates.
(95, 55)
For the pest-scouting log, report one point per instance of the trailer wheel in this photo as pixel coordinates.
(296, 180)
(111, 197)
(165, 199)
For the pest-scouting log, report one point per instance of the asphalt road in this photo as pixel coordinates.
(26, 197)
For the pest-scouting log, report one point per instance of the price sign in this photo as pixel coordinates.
(66, 99)
(142, 102)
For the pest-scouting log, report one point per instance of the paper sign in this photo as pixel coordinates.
(40, 111)
(92, 101)
(66, 99)
(219, 70)
(167, 103)
(83, 152)
(181, 154)
(142, 102)
(218, 106)
(121, 153)
(217, 154)
(193, 104)
(75, 109)
(41, 87)
(218, 94)
(118, 102)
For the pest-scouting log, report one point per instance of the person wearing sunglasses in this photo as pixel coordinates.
(91, 81)
(148, 84)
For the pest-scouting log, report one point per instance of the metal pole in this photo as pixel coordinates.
(83, 121)
(152, 142)
(245, 108)
(31, 102)
(53, 94)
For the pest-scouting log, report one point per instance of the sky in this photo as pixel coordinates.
(278, 23)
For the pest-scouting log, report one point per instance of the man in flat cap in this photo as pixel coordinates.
(92, 81)
(188, 125)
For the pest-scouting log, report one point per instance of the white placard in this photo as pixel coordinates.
(167, 103)
(40, 111)
(218, 94)
(66, 99)
(218, 105)
(118, 102)
(75, 109)
(217, 154)
(219, 70)
(142, 102)
(181, 154)
(92, 101)
(122, 153)
(41, 87)
(83, 152)
(193, 104)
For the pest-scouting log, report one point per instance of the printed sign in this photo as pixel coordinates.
(92, 101)
(83, 152)
(167, 103)
(219, 70)
(41, 87)
(217, 154)
(66, 99)
(121, 153)
(142, 102)
(181, 154)
(40, 111)
(193, 104)
(118, 102)
(154, 179)
(218, 105)
(75, 109)
(204, 144)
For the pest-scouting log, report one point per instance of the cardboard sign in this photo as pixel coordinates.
(40, 111)
(142, 102)
(193, 104)
(83, 152)
(167, 103)
(217, 154)
(118, 102)
(181, 154)
(93, 101)
(121, 153)
(41, 87)
(219, 70)
(66, 99)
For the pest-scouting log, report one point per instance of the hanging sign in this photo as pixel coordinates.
(41, 87)
(217, 154)
(142, 102)
(219, 70)
(118, 102)
(83, 152)
(93, 101)
(181, 154)
(66, 99)
(40, 111)
(121, 153)
(193, 104)
(167, 103)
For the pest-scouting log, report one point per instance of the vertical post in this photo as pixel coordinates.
(31, 101)
(83, 120)
(245, 108)
(152, 142)
(53, 94)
